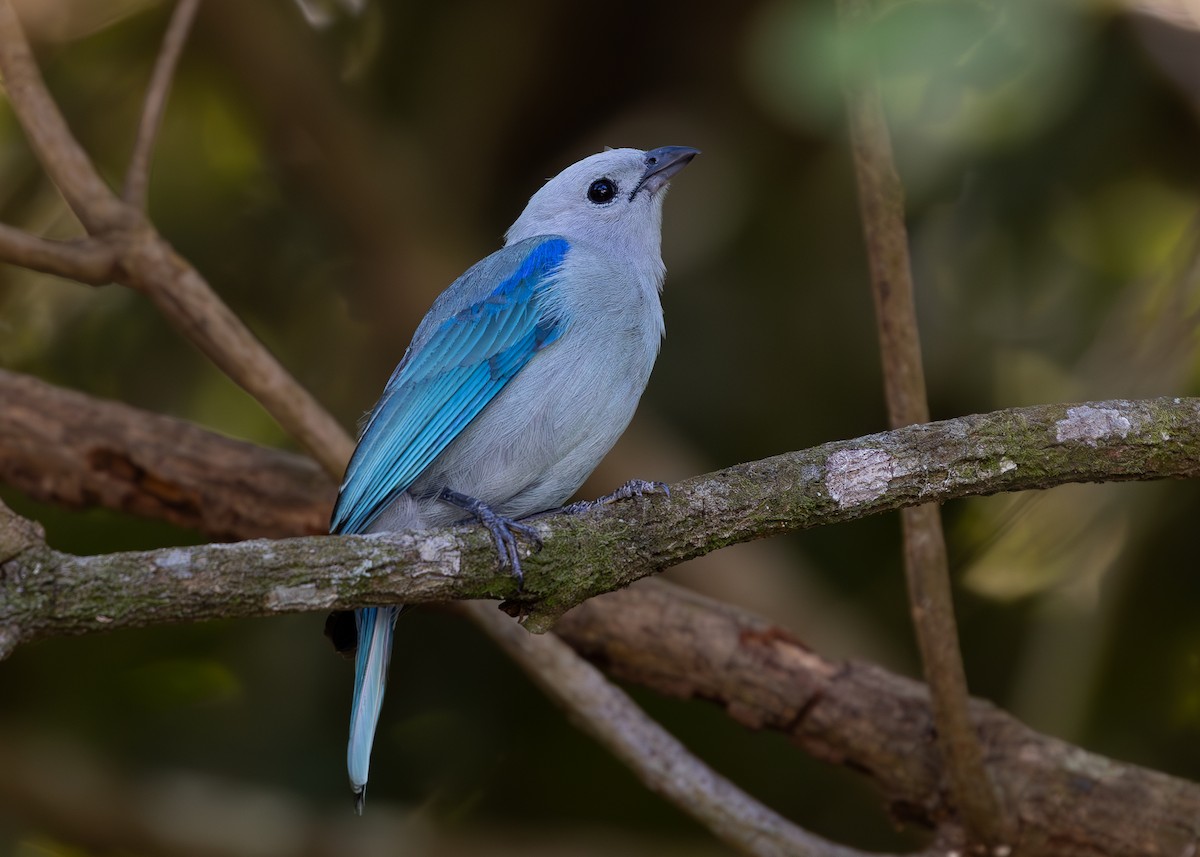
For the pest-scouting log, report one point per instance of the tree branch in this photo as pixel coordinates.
(87, 260)
(926, 566)
(137, 179)
(151, 266)
(59, 152)
(63, 447)
(609, 548)
(146, 262)
(850, 481)
(1065, 801)
(661, 762)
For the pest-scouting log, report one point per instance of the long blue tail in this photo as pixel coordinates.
(375, 626)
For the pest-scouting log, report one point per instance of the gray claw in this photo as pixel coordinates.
(504, 531)
(632, 488)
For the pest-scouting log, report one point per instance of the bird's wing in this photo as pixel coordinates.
(453, 369)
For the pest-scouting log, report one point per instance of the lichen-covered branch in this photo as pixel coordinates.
(44, 592)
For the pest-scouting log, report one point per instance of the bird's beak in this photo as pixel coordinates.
(661, 164)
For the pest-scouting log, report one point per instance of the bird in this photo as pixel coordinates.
(520, 378)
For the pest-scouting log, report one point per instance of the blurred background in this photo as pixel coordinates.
(331, 166)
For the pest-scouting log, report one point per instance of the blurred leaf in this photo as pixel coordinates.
(43, 846)
(1128, 229)
(176, 682)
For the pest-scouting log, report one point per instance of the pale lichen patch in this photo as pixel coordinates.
(303, 597)
(441, 549)
(1092, 425)
(857, 476)
(1007, 465)
(177, 561)
(711, 496)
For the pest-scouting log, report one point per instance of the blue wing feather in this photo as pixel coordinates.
(451, 372)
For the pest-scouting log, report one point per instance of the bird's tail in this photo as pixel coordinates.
(375, 626)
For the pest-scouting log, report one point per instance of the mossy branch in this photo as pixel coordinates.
(44, 592)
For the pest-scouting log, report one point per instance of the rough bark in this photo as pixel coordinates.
(67, 448)
(45, 592)
(1065, 801)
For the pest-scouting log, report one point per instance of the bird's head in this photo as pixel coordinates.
(612, 199)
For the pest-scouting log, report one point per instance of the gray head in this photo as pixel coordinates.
(612, 200)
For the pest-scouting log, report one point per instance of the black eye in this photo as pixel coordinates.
(602, 191)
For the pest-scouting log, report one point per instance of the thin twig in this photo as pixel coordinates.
(60, 153)
(146, 262)
(661, 762)
(87, 260)
(137, 179)
(881, 202)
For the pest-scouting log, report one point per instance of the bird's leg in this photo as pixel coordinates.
(504, 530)
(632, 488)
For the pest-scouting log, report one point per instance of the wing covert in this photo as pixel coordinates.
(451, 372)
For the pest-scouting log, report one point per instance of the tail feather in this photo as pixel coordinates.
(375, 626)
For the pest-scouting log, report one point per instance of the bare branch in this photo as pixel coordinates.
(1066, 802)
(661, 762)
(86, 259)
(137, 179)
(146, 262)
(142, 259)
(64, 447)
(881, 203)
(151, 266)
(64, 159)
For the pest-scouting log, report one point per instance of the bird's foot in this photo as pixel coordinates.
(504, 530)
(632, 488)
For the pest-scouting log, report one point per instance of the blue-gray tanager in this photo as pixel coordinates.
(518, 381)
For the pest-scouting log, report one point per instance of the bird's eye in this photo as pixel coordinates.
(602, 191)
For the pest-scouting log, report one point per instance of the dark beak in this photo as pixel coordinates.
(661, 164)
